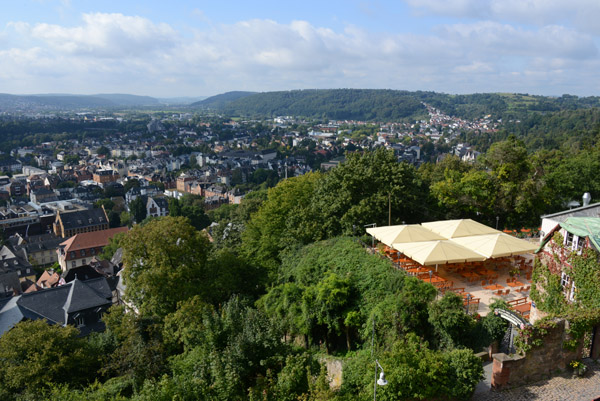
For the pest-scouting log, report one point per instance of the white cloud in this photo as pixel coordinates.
(107, 35)
(133, 54)
(580, 14)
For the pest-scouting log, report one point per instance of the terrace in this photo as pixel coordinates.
(462, 256)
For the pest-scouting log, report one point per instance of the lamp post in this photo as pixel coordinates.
(497, 219)
(381, 381)
(430, 275)
(468, 301)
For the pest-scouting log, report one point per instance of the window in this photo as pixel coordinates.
(79, 320)
(573, 291)
(83, 252)
(73, 264)
(569, 239)
(73, 255)
(578, 244)
(93, 251)
(83, 261)
(565, 280)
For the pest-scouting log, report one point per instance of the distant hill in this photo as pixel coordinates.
(388, 105)
(341, 104)
(219, 101)
(128, 100)
(184, 100)
(67, 101)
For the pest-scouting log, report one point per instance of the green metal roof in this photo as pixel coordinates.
(580, 226)
(584, 227)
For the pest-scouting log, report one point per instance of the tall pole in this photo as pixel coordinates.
(372, 353)
(390, 209)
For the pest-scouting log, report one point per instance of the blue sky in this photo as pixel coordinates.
(202, 48)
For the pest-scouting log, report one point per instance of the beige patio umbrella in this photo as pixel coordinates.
(390, 235)
(496, 245)
(438, 252)
(459, 228)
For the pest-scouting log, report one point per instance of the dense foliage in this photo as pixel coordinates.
(395, 105)
(339, 104)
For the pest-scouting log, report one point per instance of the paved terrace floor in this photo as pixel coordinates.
(558, 388)
(486, 297)
(475, 288)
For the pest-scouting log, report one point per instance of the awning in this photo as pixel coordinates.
(390, 235)
(496, 245)
(438, 252)
(459, 228)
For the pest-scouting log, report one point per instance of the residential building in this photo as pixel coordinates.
(68, 224)
(157, 207)
(16, 262)
(81, 248)
(39, 248)
(78, 303)
(105, 176)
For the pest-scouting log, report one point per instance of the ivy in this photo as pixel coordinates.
(581, 321)
(586, 276)
(546, 290)
(532, 336)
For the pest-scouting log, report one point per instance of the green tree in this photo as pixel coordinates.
(107, 203)
(239, 347)
(165, 263)
(361, 190)
(114, 243)
(132, 346)
(35, 355)
(137, 208)
(103, 151)
(131, 183)
(449, 320)
(273, 228)
(192, 207)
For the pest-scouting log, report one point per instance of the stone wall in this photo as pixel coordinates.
(334, 371)
(538, 363)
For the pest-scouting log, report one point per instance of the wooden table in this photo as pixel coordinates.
(470, 274)
(494, 287)
(515, 284)
(485, 272)
(417, 270)
(522, 308)
(432, 279)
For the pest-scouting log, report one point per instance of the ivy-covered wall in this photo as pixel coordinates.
(547, 347)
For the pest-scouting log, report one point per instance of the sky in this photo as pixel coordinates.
(202, 48)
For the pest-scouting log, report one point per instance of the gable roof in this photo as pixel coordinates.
(53, 304)
(161, 202)
(574, 211)
(92, 239)
(81, 297)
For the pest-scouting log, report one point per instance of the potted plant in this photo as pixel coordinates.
(578, 367)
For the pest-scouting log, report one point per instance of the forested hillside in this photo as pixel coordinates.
(341, 104)
(389, 105)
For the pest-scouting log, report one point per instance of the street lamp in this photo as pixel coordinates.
(468, 300)
(430, 275)
(381, 381)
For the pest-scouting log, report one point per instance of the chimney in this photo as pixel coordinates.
(586, 198)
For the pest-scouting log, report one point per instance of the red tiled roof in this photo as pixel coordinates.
(48, 279)
(92, 239)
